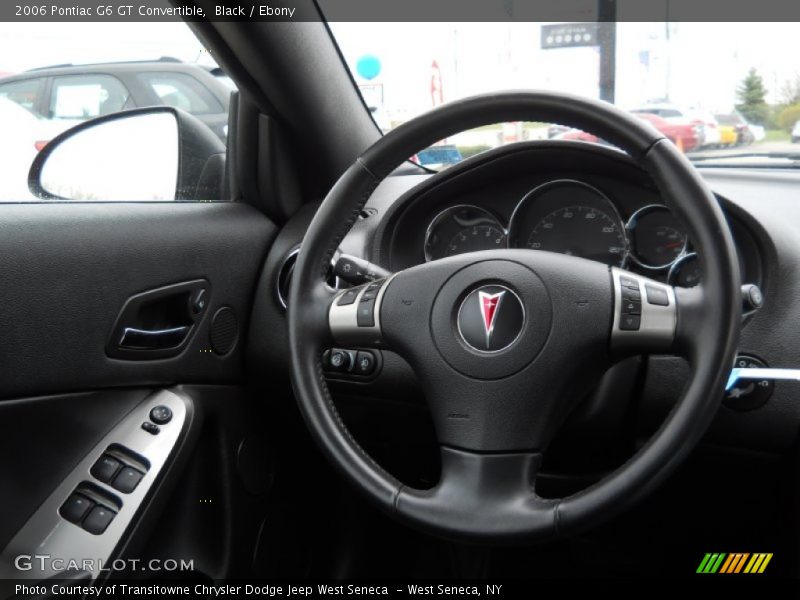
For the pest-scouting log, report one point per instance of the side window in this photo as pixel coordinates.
(87, 96)
(25, 93)
(180, 90)
(66, 92)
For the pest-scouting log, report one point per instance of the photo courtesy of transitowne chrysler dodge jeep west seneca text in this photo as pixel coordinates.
(347, 300)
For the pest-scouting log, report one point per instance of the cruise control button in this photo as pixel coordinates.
(75, 508)
(656, 295)
(366, 314)
(629, 294)
(161, 415)
(348, 297)
(127, 480)
(628, 282)
(629, 322)
(105, 468)
(98, 520)
(631, 307)
(365, 363)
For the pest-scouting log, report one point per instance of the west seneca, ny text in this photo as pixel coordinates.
(229, 590)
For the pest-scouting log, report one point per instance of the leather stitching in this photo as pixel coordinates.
(348, 225)
(340, 234)
(342, 427)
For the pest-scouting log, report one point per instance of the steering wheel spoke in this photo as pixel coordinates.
(499, 487)
(645, 314)
(354, 315)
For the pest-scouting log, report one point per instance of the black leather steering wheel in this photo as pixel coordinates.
(506, 342)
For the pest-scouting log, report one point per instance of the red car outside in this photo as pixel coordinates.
(685, 136)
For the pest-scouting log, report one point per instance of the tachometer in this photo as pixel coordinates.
(461, 229)
(569, 217)
(657, 237)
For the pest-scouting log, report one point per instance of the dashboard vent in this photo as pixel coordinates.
(284, 278)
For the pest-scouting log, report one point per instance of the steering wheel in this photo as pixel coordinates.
(506, 342)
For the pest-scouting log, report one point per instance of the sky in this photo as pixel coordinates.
(700, 67)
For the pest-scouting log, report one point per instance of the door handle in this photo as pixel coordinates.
(159, 323)
(153, 339)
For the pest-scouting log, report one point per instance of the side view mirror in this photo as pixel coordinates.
(145, 154)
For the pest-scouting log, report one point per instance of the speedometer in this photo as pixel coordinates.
(580, 231)
(569, 217)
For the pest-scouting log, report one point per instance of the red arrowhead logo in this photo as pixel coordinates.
(490, 304)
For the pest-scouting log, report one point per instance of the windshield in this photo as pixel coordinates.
(717, 90)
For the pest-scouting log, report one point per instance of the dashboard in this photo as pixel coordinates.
(602, 209)
(522, 194)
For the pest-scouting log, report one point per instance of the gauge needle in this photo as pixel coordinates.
(673, 245)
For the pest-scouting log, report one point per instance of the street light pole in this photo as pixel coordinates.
(607, 46)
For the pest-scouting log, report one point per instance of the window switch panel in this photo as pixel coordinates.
(75, 508)
(105, 468)
(127, 480)
(98, 520)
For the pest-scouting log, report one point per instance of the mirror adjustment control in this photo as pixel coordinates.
(75, 508)
(105, 468)
(161, 415)
(98, 519)
(127, 480)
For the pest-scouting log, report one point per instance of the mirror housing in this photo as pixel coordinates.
(144, 154)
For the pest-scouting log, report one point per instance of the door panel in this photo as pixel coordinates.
(52, 434)
(68, 269)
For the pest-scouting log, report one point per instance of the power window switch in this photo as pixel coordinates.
(75, 508)
(105, 468)
(98, 520)
(127, 480)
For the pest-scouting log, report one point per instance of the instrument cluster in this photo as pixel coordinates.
(571, 217)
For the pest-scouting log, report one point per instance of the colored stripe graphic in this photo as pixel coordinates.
(735, 562)
(711, 562)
